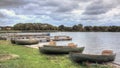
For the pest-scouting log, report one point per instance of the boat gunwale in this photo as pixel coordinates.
(91, 54)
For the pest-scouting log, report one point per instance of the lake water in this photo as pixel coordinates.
(94, 42)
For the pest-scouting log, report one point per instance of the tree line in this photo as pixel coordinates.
(78, 27)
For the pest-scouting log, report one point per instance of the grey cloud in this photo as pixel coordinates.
(48, 6)
(81, 0)
(100, 7)
(59, 6)
(11, 3)
(67, 7)
(64, 9)
(50, 3)
(1, 15)
(60, 17)
(96, 12)
(91, 17)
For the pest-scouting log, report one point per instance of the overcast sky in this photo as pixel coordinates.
(57, 12)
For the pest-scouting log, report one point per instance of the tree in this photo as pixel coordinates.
(61, 27)
(80, 26)
(88, 28)
(75, 28)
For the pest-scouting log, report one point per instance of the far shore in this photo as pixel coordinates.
(37, 31)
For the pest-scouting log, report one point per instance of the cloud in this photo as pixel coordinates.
(100, 7)
(56, 12)
(9, 17)
(102, 10)
(114, 12)
(10, 14)
(11, 3)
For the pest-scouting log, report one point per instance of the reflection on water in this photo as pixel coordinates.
(94, 42)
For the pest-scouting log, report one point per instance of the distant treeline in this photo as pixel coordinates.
(78, 27)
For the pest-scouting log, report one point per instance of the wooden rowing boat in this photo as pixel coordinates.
(79, 58)
(26, 41)
(12, 41)
(60, 49)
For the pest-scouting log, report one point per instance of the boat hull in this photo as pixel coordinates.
(12, 41)
(26, 41)
(79, 58)
(59, 49)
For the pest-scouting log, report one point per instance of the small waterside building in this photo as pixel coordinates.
(6, 28)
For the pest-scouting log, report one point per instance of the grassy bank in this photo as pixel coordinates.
(31, 58)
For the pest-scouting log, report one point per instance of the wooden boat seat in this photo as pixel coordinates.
(72, 45)
(107, 52)
(53, 43)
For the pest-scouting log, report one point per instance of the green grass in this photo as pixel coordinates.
(32, 58)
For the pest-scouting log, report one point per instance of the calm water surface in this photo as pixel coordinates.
(94, 42)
